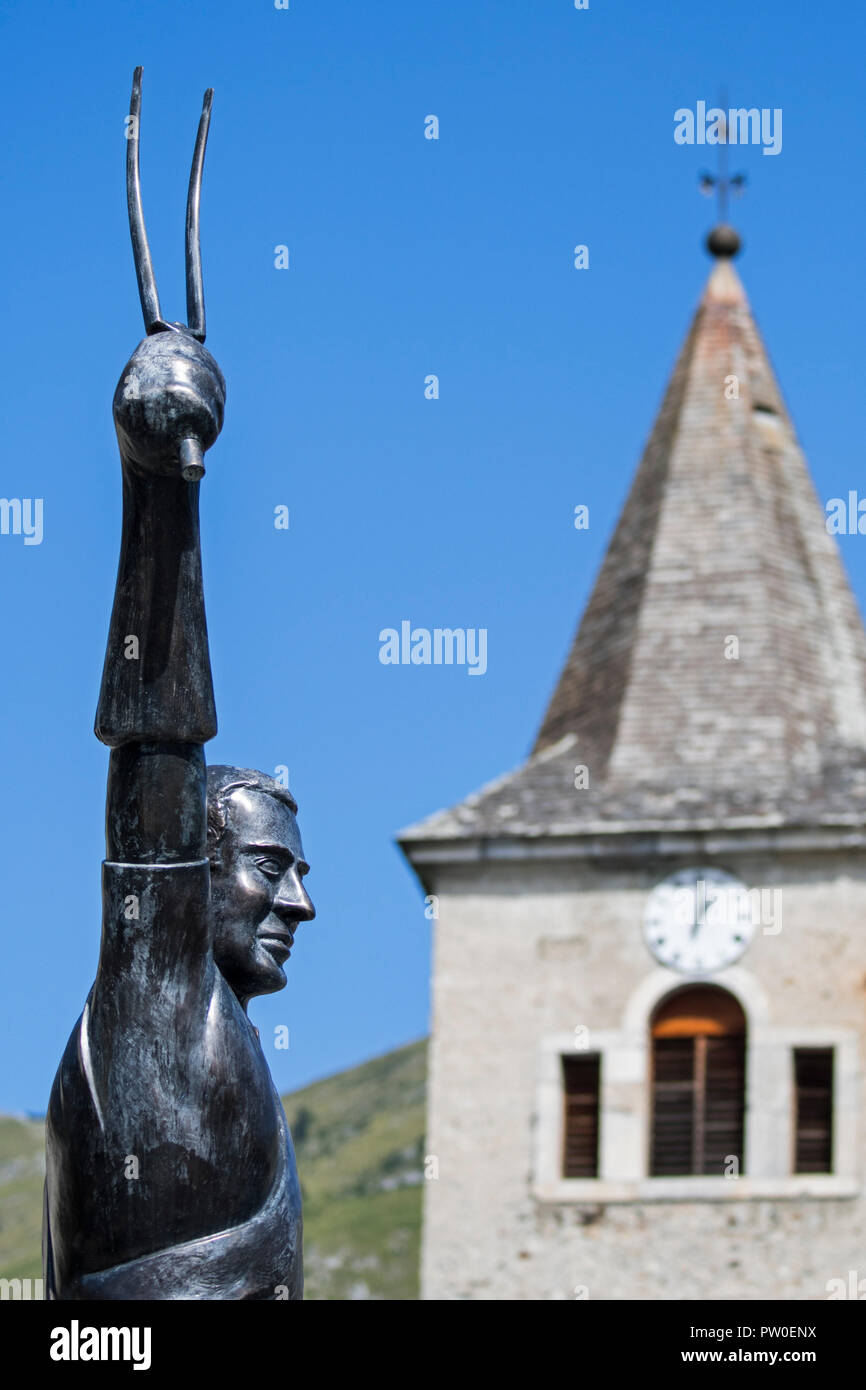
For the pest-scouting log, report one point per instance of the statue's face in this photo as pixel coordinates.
(257, 893)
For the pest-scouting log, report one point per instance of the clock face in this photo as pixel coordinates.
(698, 921)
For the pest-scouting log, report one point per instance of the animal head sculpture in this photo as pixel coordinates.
(169, 402)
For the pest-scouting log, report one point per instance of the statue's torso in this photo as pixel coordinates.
(163, 1111)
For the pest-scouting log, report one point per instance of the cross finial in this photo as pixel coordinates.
(723, 240)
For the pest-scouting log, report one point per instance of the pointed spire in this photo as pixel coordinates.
(721, 640)
(720, 666)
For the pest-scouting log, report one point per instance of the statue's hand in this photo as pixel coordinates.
(168, 406)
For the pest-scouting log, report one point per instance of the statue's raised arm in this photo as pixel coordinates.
(156, 706)
(169, 1167)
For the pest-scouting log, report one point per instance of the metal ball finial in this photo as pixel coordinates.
(723, 241)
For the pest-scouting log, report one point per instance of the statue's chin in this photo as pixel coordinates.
(261, 975)
(268, 982)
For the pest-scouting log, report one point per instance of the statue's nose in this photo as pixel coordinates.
(292, 902)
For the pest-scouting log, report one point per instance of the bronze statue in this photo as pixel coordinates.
(170, 1172)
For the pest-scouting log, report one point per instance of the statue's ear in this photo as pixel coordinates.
(216, 827)
(215, 859)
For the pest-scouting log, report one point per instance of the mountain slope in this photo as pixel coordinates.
(359, 1138)
(22, 1168)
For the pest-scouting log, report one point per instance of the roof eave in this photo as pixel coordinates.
(609, 842)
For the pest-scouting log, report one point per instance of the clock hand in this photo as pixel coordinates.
(700, 909)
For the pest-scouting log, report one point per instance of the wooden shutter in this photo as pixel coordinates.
(813, 1076)
(673, 1106)
(724, 1104)
(698, 1084)
(581, 1079)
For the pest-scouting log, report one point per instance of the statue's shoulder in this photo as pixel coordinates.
(70, 1087)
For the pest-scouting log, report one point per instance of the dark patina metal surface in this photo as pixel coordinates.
(170, 1172)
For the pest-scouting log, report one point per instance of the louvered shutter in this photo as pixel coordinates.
(813, 1075)
(581, 1078)
(723, 1105)
(673, 1106)
(698, 1105)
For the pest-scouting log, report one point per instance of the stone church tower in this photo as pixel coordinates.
(646, 1069)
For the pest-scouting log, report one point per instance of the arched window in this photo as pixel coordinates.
(698, 1083)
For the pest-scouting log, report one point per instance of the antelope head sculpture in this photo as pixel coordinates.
(169, 402)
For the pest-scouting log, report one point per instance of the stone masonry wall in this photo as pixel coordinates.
(524, 950)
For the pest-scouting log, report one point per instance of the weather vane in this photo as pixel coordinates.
(722, 240)
(722, 182)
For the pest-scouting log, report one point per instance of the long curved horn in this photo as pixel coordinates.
(195, 316)
(140, 249)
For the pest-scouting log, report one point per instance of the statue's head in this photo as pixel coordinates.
(257, 869)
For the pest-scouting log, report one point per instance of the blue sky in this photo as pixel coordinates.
(407, 257)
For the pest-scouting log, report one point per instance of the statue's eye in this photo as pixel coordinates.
(271, 867)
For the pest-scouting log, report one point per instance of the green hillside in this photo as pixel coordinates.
(22, 1166)
(359, 1138)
